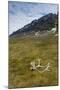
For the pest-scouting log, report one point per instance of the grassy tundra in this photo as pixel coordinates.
(23, 50)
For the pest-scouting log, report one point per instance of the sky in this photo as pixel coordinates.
(22, 13)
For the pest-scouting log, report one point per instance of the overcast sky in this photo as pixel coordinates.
(22, 13)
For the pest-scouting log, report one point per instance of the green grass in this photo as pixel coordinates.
(24, 50)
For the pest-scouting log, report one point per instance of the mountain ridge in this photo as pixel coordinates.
(42, 24)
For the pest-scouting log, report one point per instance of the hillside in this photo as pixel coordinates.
(45, 23)
(37, 40)
(24, 50)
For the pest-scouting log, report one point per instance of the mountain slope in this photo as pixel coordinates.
(44, 23)
(24, 50)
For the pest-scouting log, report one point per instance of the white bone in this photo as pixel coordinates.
(33, 65)
(47, 68)
(39, 63)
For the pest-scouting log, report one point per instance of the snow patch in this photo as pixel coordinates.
(53, 30)
(37, 34)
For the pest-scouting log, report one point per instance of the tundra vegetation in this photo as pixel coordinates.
(37, 40)
(22, 51)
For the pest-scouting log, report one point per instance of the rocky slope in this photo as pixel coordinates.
(43, 24)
